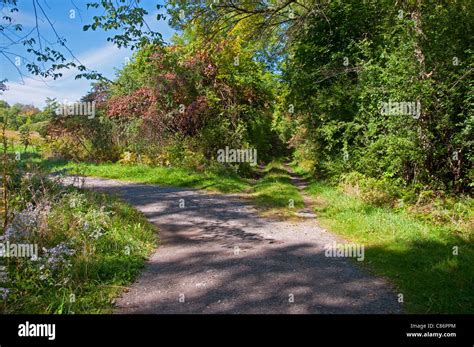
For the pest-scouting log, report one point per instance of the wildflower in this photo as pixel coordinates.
(26, 222)
(56, 257)
(4, 293)
(96, 233)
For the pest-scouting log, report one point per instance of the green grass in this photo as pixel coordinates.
(275, 189)
(100, 267)
(225, 182)
(168, 176)
(416, 255)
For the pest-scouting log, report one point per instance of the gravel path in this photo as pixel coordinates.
(216, 255)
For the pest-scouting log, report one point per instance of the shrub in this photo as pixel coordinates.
(371, 190)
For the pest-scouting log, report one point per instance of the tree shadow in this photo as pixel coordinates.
(224, 258)
(282, 279)
(431, 278)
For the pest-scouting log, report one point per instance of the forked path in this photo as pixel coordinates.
(217, 255)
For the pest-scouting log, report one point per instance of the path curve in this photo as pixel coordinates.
(216, 255)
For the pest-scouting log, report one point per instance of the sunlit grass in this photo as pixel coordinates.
(417, 256)
(275, 189)
(15, 136)
(168, 176)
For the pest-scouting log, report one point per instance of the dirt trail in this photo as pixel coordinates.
(217, 255)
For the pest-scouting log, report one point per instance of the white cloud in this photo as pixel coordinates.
(33, 91)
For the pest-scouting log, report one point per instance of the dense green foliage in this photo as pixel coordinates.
(342, 70)
(259, 75)
(177, 106)
(23, 117)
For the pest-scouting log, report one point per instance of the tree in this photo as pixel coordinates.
(341, 71)
(25, 135)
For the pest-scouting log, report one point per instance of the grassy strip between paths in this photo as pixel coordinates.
(275, 189)
(417, 256)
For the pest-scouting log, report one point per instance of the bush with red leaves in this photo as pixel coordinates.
(140, 103)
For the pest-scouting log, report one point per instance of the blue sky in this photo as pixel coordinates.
(90, 47)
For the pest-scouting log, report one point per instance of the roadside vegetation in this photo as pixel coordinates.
(169, 176)
(371, 100)
(88, 248)
(425, 249)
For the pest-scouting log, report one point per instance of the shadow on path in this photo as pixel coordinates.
(217, 255)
